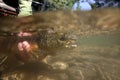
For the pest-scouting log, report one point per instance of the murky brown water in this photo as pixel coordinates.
(97, 56)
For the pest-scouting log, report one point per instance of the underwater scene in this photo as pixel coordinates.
(61, 45)
(56, 43)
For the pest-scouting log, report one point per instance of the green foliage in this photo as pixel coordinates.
(62, 4)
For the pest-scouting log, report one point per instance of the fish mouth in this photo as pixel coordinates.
(71, 44)
(69, 41)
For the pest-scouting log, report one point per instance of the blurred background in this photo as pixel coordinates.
(14, 6)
